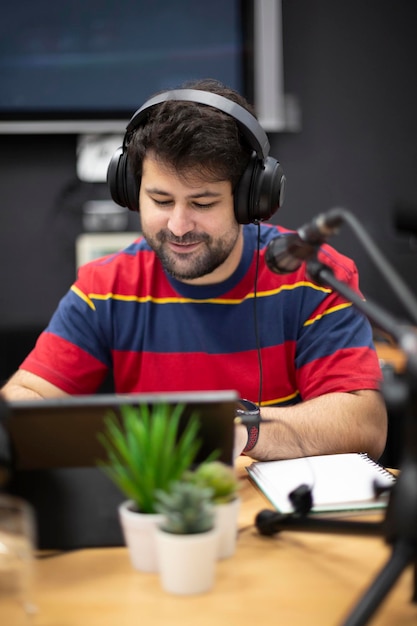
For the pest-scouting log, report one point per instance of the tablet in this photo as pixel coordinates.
(56, 449)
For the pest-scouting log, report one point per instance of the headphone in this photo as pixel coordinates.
(260, 191)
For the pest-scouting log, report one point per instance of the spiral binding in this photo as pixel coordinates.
(380, 468)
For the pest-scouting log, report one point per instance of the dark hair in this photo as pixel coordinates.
(189, 136)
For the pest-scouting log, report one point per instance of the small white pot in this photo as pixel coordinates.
(187, 563)
(139, 535)
(226, 520)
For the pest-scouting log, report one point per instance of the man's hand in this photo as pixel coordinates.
(24, 385)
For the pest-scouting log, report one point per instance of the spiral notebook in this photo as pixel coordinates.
(339, 482)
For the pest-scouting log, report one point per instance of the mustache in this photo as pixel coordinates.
(165, 236)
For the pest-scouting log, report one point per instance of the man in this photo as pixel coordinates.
(193, 306)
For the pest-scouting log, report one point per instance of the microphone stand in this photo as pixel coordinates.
(400, 523)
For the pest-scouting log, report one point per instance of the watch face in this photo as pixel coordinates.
(246, 407)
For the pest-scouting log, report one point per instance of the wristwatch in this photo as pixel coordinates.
(250, 416)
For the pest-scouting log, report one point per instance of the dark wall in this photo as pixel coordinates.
(352, 66)
(40, 217)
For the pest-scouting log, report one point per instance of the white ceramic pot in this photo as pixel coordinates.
(139, 535)
(226, 520)
(187, 563)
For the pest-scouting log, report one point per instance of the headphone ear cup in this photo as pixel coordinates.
(260, 191)
(242, 193)
(270, 189)
(124, 187)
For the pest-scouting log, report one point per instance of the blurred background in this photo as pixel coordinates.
(338, 99)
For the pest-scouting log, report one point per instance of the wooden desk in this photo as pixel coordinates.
(293, 579)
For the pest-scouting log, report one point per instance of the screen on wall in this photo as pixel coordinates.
(89, 59)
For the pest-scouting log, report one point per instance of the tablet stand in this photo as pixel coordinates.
(400, 524)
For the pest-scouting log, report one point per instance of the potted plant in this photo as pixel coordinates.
(224, 485)
(187, 538)
(146, 452)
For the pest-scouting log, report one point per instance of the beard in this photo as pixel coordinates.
(210, 254)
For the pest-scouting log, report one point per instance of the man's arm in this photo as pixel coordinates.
(329, 424)
(24, 385)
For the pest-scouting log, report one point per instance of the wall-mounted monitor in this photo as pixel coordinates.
(85, 66)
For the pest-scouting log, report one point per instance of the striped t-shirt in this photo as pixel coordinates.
(126, 315)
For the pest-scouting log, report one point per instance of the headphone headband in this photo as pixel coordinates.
(249, 125)
(260, 190)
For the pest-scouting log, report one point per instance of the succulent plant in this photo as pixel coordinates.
(187, 508)
(217, 476)
(146, 450)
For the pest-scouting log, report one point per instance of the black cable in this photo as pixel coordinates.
(258, 349)
(255, 315)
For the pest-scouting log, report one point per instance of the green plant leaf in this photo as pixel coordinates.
(145, 450)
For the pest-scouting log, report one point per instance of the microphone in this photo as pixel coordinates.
(286, 253)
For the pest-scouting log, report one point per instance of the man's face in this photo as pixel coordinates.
(189, 223)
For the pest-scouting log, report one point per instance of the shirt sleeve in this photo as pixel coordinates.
(335, 350)
(71, 353)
